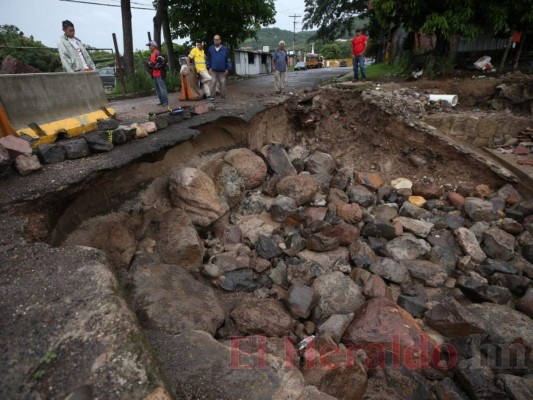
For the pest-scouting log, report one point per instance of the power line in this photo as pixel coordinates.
(103, 4)
(294, 32)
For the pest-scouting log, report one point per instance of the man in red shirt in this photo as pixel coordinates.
(155, 65)
(358, 54)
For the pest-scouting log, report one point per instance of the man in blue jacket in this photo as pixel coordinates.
(219, 65)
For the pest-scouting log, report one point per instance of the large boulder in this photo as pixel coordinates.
(251, 167)
(167, 298)
(320, 163)
(176, 239)
(408, 247)
(194, 192)
(452, 319)
(228, 181)
(278, 161)
(430, 274)
(498, 244)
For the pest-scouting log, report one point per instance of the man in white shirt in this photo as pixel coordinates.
(74, 57)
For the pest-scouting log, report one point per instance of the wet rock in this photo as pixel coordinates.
(414, 305)
(4, 157)
(479, 292)
(379, 229)
(140, 131)
(361, 195)
(267, 248)
(452, 319)
(251, 167)
(282, 207)
(454, 221)
(51, 153)
(517, 388)
(370, 180)
(149, 126)
(478, 381)
(122, 134)
(98, 142)
(240, 280)
(177, 241)
(390, 270)
(417, 160)
(262, 317)
(469, 244)
(515, 283)
(160, 120)
(107, 124)
(362, 254)
(167, 298)
(312, 393)
(345, 233)
(503, 324)
(418, 201)
(511, 226)
(25, 165)
(479, 210)
(335, 326)
(278, 275)
(341, 179)
(15, 146)
(430, 274)
(376, 319)
(401, 183)
(300, 272)
(302, 188)
(320, 163)
(326, 260)
(75, 148)
(498, 244)
(231, 260)
(315, 214)
(301, 300)
(338, 295)
(278, 161)
(350, 213)
(335, 371)
(321, 243)
(212, 271)
(259, 264)
(525, 304)
(408, 247)
(455, 198)
(418, 228)
(294, 244)
(194, 192)
(479, 228)
(427, 190)
(375, 287)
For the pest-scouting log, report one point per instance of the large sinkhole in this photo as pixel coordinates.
(310, 249)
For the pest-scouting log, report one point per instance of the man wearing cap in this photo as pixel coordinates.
(155, 65)
(280, 61)
(219, 65)
(197, 55)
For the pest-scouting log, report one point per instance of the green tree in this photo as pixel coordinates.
(13, 41)
(234, 20)
(330, 50)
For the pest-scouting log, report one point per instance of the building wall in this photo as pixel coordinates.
(252, 63)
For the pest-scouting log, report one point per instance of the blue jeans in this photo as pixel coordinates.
(359, 61)
(161, 90)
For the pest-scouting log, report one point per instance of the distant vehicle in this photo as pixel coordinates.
(300, 66)
(107, 76)
(314, 61)
(343, 64)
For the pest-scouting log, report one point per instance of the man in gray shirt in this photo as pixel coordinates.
(280, 61)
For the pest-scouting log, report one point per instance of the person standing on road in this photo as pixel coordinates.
(280, 61)
(359, 43)
(74, 57)
(156, 65)
(197, 56)
(219, 65)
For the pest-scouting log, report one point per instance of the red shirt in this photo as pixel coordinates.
(153, 59)
(358, 45)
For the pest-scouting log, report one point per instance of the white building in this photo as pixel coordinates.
(249, 62)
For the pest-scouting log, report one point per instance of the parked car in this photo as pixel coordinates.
(343, 64)
(300, 66)
(107, 76)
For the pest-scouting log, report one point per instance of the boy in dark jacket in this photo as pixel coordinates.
(219, 65)
(156, 64)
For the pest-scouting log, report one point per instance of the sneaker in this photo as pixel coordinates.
(164, 104)
(355, 80)
(210, 98)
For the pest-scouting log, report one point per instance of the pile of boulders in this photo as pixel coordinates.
(16, 152)
(431, 283)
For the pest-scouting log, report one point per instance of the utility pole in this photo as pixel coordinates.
(294, 32)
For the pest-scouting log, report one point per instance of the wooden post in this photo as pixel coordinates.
(119, 67)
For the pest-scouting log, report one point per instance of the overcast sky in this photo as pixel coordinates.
(95, 24)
